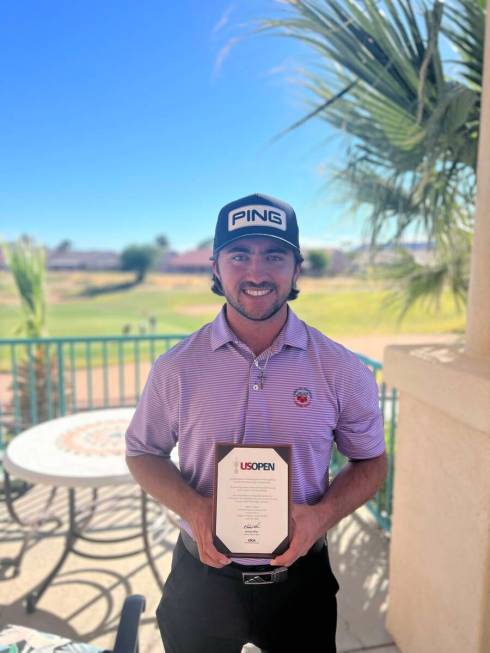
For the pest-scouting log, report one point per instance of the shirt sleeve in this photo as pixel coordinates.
(359, 433)
(153, 429)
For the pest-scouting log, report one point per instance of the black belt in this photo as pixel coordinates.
(248, 574)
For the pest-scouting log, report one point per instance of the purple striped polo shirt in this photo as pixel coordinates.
(206, 390)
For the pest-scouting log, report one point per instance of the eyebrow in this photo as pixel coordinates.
(277, 249)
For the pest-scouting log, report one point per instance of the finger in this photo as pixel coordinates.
(284, 560)
(213, 552)
(219, 559)
(211, 556)
(210, 562)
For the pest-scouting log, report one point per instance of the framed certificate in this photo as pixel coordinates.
(252, 500)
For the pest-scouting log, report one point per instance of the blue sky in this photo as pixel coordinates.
(121, 120)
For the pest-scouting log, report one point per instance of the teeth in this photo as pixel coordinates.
(256, 293)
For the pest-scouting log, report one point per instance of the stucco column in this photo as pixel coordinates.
(478, 321)
(440, 549)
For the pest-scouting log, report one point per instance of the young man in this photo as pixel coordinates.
(256, 375)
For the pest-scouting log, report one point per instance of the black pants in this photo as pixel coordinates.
(204, 611)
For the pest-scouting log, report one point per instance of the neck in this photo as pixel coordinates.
(257, 335)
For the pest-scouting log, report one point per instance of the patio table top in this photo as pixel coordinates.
(81, 450)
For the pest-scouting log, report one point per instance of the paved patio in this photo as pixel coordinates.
(85, 598)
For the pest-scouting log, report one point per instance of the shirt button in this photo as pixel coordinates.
(255, 386)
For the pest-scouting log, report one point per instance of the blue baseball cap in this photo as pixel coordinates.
(256, 215)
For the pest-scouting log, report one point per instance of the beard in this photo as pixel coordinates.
(258, 314)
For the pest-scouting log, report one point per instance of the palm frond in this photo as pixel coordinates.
(26, 262)
(413, 283)
(413, 125)
(465, 29)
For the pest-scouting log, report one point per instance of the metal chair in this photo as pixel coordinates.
(17, 639)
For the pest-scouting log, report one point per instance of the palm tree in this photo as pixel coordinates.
(27, 264)
(412, 119)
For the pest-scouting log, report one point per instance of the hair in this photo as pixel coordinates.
(217, 287)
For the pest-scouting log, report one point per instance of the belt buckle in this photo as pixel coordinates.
(278, 575)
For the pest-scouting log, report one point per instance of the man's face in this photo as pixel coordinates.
(257, 275)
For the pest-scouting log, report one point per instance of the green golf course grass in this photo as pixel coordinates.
(182, 303)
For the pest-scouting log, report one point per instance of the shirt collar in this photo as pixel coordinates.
(293, 333)
(221, 332)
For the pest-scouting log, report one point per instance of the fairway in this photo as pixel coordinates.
(182, 303)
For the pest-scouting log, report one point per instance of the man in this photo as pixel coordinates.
(256, 375)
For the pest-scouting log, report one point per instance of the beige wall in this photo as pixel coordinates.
(478, 323)
(440, 551)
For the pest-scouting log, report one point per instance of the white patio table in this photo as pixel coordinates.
(83, 450)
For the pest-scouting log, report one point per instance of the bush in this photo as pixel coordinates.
(319, 262)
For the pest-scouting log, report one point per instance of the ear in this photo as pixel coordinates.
(296, 274)
(215, 269)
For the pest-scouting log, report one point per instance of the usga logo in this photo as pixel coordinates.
(257, 214)
(258, 466)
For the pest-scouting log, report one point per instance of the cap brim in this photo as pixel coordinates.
(261, 235)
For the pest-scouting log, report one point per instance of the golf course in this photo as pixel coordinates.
(85, 304)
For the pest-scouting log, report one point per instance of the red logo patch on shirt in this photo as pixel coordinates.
(302, 397)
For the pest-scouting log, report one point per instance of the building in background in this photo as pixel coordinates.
(362, 257)
(197, 261)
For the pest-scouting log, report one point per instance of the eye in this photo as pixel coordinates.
(275, 258)
(239, 258)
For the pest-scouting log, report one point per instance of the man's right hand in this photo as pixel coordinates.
(162, 480)
(200, 518)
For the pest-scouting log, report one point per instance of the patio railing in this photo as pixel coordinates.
(381, 504)
(49, 377)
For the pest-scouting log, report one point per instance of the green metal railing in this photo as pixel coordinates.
(381, 505)
(49, 377)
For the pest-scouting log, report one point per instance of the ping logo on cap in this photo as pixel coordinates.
(257, 215)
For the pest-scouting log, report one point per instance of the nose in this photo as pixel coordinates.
(256, 270)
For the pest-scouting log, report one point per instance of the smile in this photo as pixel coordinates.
(253, 292)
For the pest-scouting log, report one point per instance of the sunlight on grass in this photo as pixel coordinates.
(183, 303)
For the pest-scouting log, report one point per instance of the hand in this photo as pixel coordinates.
(306, 527)
(200, 519)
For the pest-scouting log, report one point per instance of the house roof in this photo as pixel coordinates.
(193, 258)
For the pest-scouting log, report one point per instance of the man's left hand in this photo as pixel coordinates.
(307, 527)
